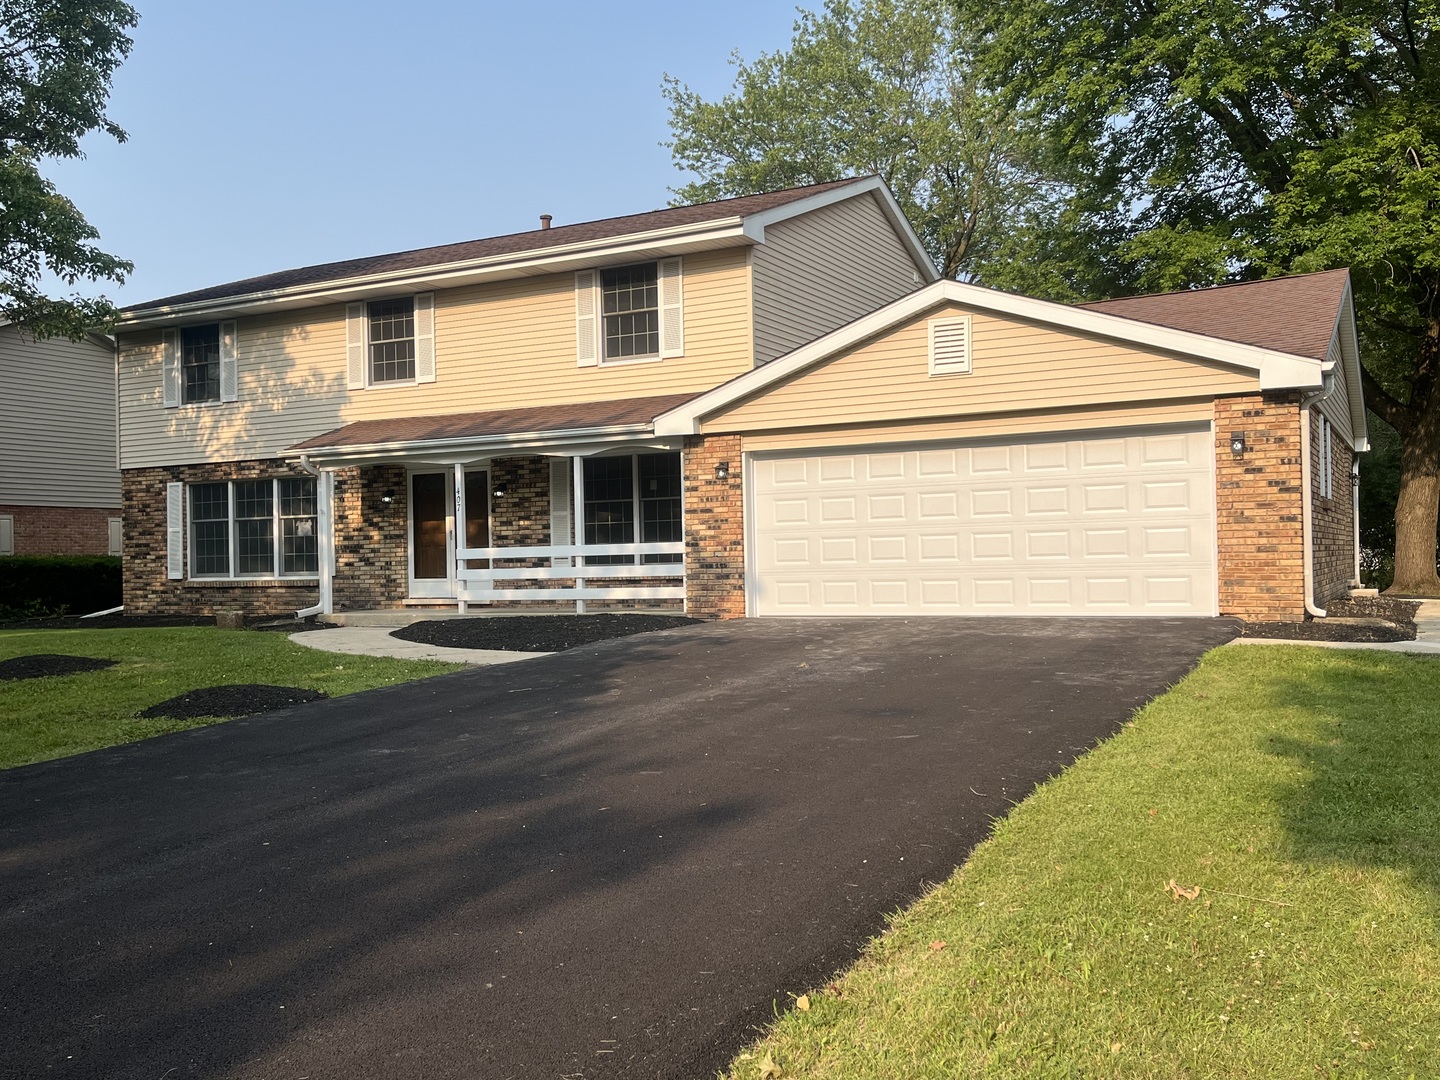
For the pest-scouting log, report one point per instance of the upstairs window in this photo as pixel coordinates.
(630, 300)
(392, 340)
(200, 362)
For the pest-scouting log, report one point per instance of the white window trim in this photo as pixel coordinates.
(233, 533)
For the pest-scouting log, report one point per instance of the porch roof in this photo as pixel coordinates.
(500, 428)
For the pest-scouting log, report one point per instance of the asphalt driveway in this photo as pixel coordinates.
(606, 862)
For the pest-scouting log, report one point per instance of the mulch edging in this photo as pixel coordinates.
(1398, 622)
(239, 699)
(41, 665)
(534, 633)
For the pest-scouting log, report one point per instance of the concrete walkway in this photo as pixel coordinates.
(376, 641)
(1427, 636)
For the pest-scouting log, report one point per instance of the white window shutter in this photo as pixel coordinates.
(672, 309)
(117, 536)
(355, 346)
(425, 337)
(7, 534)
(560, 506)
(587, 320)
(171, 364)
(950, 346)
(175, 530)
(229, 362)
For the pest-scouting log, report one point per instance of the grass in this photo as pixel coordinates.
(60, 715)
(1299, 788)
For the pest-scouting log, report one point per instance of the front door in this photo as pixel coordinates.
(432, 514)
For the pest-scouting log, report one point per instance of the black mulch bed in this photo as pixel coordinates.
(1399, 614)
(243, 699)
(534, 633)
(38, 665)
(107, 622)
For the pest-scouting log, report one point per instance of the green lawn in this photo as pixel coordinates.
(52, 717)
(1298, 787)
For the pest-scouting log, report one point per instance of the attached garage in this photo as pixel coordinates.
(967, 452)
(1117, 523)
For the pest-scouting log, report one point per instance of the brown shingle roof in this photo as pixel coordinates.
(1289, 314)
(513, 243)
(543, 418)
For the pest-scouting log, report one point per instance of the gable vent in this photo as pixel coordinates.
(950, 346)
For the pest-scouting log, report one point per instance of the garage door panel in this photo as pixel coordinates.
(1110, 525)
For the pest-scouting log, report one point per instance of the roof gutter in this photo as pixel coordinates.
(334, 457)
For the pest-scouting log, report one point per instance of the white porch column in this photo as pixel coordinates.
(462, 604)
(325, 542)
(577, 498)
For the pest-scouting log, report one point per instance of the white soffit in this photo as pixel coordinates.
(1277, 370)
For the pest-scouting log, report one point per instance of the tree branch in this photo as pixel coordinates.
(1384, 405)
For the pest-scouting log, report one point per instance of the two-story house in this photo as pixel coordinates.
(59, 477)
(765, 405)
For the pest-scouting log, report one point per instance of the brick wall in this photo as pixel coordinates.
(714, 528)
(1332, 520)
(149, 591)
(372, 568)
(61, 530)
(1258, 522)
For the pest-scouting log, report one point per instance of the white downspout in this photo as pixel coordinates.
(324, 525)
(1307, 531)
(1355, 515)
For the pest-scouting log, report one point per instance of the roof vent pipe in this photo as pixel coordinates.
(545, 220)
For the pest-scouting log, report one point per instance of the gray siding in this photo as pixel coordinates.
(57, 422)
(821, 270)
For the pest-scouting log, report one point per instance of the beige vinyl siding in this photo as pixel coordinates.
(57, 431)
(821, 270)
(1017, 365)
(1337, 406)
(985, 427)
(497, 346)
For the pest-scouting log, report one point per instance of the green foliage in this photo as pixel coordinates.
(870, 87)
(1294, 786)
(38, 585)
(56, 63)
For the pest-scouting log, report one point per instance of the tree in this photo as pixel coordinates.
(56, 62)
(870, 86)
(1235, 139)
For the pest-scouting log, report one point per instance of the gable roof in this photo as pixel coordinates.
(1288, 314)
(725, 222)
(1275, 368)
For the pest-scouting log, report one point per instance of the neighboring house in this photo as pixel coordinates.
(59, 479)
(766, 405)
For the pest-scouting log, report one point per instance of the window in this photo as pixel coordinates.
(392, 340)
(1324, 467)
(630, 302)
(619, 491)
(200, 362)
(254, 528)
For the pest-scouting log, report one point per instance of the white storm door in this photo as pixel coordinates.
(1109, 524)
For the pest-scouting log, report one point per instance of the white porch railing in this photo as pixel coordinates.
(478, 585)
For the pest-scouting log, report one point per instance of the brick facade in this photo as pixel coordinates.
(61, 530)
(1332, 520)
(1257, 508)
(714, 528)
(148, 588)
(372, 567)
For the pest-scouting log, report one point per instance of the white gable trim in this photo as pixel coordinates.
(1349, 342)
(1277, 370)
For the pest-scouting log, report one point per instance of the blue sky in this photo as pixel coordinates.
(267, 135)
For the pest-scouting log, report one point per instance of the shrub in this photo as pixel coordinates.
(34, 586)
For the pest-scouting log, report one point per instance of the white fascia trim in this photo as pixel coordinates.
(1350, 357)
(755, 223)
(1277, 370)
(336, 457)
(339, 289)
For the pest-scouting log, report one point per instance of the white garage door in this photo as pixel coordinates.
(1118, 524)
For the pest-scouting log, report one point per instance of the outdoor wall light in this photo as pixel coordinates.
(500, 491)
(722, 471)
(388, 497)
(1237, 443)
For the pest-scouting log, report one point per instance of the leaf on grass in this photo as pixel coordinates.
(769, 1069)
(1181, 892)
(936, 946)
(803, 1002)
(1115, 1048)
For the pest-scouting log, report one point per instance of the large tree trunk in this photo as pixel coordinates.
(1418, 507)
